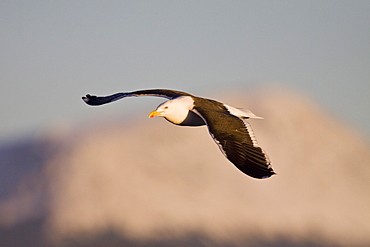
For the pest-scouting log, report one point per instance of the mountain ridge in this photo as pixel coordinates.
(149, 181)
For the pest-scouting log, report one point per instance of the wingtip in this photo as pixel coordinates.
(86, 98)
(267, 176)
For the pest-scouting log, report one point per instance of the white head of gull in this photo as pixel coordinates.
(174, 110)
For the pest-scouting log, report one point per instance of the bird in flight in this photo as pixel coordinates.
(227, 125)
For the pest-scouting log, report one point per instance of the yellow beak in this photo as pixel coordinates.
(154, 113)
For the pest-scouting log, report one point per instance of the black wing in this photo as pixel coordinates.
(100, 100)
(235, 138)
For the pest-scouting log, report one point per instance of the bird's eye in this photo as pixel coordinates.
(166, 107)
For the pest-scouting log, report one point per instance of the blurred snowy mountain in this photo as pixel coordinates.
(146, 182)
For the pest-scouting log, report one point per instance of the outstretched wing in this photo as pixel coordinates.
(100, 100)
(235, 138)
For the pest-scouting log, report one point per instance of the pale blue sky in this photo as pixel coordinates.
(53, 52)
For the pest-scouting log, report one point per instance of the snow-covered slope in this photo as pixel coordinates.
(146, 182)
